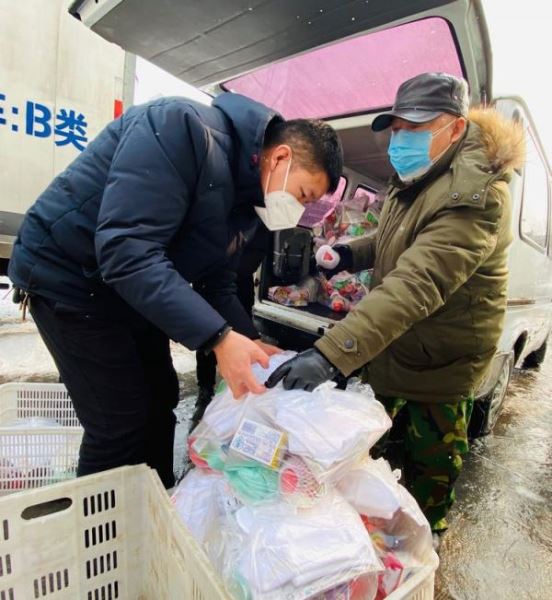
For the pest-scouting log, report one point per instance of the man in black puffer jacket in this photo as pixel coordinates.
(165, 196)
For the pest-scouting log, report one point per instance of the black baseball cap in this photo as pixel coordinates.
(425, 97)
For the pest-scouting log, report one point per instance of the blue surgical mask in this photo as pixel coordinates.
(409, 152)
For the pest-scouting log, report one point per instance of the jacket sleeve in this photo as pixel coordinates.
(363, 252)
(220, 290)
(144, 204)
(445, 253)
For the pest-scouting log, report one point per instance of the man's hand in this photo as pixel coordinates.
(268, 348)
(235, 355)
(333, 260)
(305, 371)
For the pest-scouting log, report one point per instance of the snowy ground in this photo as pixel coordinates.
(23, 356)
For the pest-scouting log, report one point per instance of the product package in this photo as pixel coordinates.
(353, 218)
(302, 294)
(345, 290)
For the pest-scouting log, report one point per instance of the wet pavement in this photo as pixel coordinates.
(499, 544)
(184, 412)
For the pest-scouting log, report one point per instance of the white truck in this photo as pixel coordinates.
(59, 85)
(343, 61)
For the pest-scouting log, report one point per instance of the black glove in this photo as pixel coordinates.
(305, 371)
(345, 257)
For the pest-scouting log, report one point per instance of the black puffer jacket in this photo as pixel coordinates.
(162, 198)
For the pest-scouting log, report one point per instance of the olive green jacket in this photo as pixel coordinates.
(431, 323)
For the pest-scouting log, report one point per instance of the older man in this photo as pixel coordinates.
(430, 326)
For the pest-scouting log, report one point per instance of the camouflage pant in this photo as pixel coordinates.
(427, 442)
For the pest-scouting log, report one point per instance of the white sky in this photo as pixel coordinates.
(152, 82)
(521, 39)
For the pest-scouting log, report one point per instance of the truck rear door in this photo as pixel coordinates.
(213, 41)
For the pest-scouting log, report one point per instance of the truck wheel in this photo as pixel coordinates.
(535, 358)
(486, 409)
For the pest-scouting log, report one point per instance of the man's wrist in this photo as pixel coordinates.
(331, 366)
(216, 339)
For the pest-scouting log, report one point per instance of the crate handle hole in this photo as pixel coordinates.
(46, 508)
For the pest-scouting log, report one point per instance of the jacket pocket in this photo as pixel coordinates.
(409, 350)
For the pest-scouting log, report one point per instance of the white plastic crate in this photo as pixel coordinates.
(116, 536)
(47, 400)
(33, 456)
(111, 536)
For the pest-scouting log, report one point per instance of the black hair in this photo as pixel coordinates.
(314, 143)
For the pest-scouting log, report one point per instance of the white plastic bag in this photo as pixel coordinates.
(406, 533)
(399, 530)
(201, 500)
(224, 414)
(372, 488)
(329, 429)
(285, 531)
(295, 554)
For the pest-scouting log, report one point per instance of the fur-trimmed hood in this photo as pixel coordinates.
(492, 147)
(503, 139)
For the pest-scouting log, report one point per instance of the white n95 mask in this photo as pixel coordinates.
(282, 210)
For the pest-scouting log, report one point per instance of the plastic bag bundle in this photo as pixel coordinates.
(280, 551)
(301, 294)
(399, 531)
(287, 502)
(344, 290)
(328, 429)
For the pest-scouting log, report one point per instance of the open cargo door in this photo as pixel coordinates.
(213, 41)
